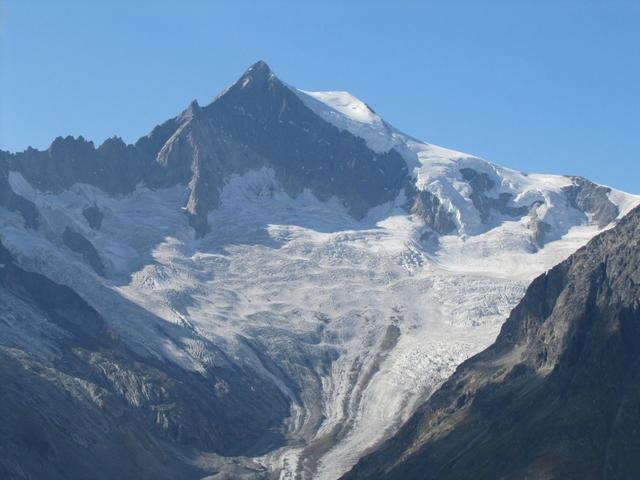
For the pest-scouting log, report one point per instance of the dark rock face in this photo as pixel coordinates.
(306, 151)
(592, 199)
(481, 184)
(94, 216)
(114, 167)
(14, 202)
(28, 209)
(79, 244)
(429, 208)
(557, 396)
(258, 122)
(539, 228)
(67, 310)
(129, 416)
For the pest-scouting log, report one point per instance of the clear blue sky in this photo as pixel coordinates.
(546, 86)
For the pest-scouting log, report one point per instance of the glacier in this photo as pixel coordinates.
(355, 320)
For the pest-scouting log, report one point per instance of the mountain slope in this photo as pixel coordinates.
(556, 396)
(297, 238)
(70, 385)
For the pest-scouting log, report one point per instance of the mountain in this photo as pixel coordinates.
(255, 275)
(257, 122)
(556, 396)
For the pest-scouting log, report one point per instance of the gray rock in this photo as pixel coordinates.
(260, 122)
(429, 208)
(539, 228)
(592, 199)
(79, 244)
(14, 202)
(27, 209)
(93, 216)
(113, 167)
(480, 184)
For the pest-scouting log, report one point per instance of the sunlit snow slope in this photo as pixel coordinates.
(356, 320)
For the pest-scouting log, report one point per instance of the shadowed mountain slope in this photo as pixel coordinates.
(77, 403)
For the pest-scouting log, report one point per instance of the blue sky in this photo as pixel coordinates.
(545, 86)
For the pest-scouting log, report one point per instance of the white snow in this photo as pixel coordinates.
(625, 201)
(348, 105)
(435, 168)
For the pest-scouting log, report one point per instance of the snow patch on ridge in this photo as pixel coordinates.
(348, 105)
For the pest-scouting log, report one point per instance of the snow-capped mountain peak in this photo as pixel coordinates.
(294, 238)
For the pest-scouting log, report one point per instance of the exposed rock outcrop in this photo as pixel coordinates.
(260, 122)
(480, 184)
(592, 199)
(114, 167)
(79, 244)
(14, 202)
(435, 216)
(94, 216)
(539, 228)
